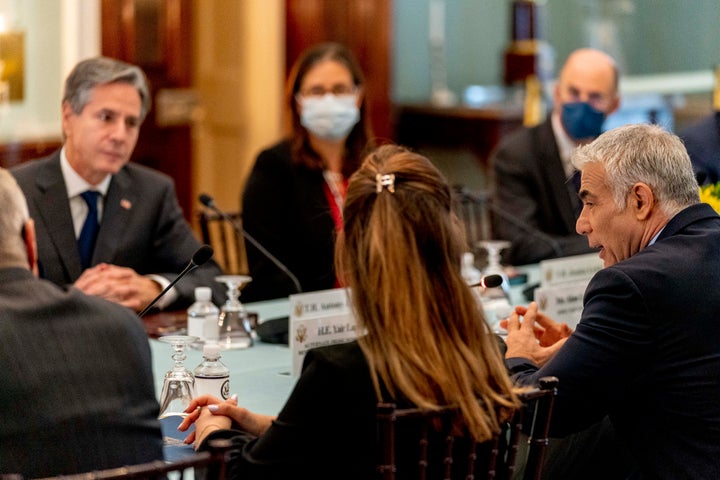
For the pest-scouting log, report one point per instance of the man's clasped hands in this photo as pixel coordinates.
(536, 337)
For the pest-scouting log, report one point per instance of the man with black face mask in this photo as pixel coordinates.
(533, 177)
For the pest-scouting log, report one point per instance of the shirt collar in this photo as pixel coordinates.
(75, 184)
(656, 237)
(566, 145)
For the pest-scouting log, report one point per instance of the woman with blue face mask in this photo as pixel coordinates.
(293, 199)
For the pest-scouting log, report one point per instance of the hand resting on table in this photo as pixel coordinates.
(209, 413)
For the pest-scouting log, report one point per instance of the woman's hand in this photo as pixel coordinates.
(205, 422)
(210, 414)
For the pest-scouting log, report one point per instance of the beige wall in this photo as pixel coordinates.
(239, 74)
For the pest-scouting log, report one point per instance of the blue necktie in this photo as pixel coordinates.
(88, 234)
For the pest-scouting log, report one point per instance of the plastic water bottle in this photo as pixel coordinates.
(202, 316)
(211, 376)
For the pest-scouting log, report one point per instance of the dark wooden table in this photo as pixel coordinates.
(158, 324)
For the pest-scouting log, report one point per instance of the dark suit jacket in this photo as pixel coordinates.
(76, 384)
(702, 141)
(285, 209)
(142, 228)
(647, 352)
(530, 184)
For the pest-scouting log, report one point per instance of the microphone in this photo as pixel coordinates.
(509, 217)
(208, 201)
(489, 281)
(201, 255)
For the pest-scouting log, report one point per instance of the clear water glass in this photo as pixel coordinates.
(178, 387)
(235, 331)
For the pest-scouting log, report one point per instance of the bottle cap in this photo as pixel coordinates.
(211, 350)
(203, 294)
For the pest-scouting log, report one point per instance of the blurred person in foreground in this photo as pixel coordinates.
(646, 351)
(426, 341)
(293, 200)
(76, 380)
(142, 241)
(533, 177)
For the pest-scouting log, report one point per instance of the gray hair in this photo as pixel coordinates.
(92, 72)
(648, 154)
(13, 215)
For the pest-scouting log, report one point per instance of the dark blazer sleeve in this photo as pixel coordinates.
(172, 247)
(601, 358)
(155, 237)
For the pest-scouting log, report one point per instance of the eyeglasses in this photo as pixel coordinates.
(337, 90)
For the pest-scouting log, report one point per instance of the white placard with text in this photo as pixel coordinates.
(562, 303)
(318, 319)
(578, 268)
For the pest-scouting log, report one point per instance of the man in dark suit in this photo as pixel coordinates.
(647, 349)
(531, 170)
(111, 228)
(76, 380)
(702, 140)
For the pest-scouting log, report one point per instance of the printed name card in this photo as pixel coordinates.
(318, 319)
(579, 268)
(562, 303)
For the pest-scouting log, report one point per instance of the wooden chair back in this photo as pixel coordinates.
(220, 234)
(424, 445)
(209, 465)
(472, 208)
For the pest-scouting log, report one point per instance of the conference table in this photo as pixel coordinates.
(259, 375)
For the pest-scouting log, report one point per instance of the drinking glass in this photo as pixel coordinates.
(495, 301)
(179, 384)
(494, 248)
(234, 322)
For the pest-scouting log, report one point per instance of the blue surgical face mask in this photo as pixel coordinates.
(330, 117)
(581, 120)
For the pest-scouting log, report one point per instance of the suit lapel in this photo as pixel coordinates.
(54, 211)
(562, 188)
(119, 202)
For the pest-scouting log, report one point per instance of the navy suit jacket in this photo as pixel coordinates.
(76, 383)
(530, 184)
(702, 141)
(647, 352)
(142, 228)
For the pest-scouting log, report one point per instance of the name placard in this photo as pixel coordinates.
(318, 319)
(562, 303)
(577, 268)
